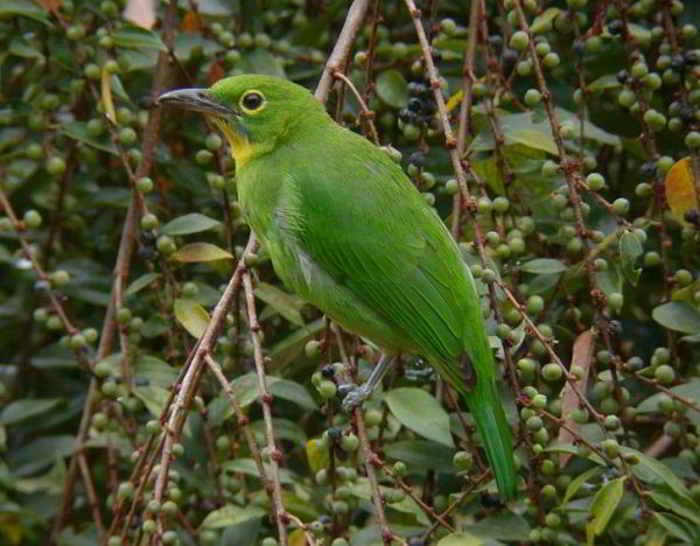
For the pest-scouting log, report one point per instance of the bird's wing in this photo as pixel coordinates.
(362, 221)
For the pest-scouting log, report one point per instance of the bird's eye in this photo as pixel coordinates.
(252, 101)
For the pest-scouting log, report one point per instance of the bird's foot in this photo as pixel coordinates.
(353, 396)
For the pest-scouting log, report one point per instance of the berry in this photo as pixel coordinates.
(519, 40)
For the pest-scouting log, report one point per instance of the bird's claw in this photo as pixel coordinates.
(353, 396)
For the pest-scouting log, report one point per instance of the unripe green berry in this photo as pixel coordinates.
(551, 372)
(532, 97)
(144, 184)
(327, 389)
(519, 40)
(55, 165)
(32, 219)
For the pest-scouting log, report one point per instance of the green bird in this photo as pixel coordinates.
(347, 230)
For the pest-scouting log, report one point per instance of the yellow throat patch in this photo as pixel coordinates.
(241, 148)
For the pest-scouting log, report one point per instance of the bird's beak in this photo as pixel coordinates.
(199, 100)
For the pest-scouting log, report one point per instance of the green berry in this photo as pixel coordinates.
(327, 389)
(551, 60)
(519, 40)
(463, 461)
(551, 372)
(683, 277)
(532, 97)
(349, 442)
(92, 71)
(32, 219)
(664, 374)
(144, 184)
(373, 417)
(149, 221)
(621, 206)
(692, 139)
(55, 165)
(165, 245)
(501, 204)
(127, 136)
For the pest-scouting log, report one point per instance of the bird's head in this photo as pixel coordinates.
(254, 112)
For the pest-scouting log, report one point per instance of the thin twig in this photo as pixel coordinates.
(266, 398)
(341, 50)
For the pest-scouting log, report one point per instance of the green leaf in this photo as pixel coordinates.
(189, 223)
(421, 455)
(154, 371)
(39, 453)
(505, 526)
(192, 316)
(133, 37)
(392, 88)
(261, 61)
(604, 505)
(286, 350)
(460, 539)
(689, 390)
(230, 514)
(292, 391)
(284, 430)
(23, 8)
(77, 130)
(200, 252)
(681, 506)
(608, 81)
(534, 131)
(678, 316)
(22, 48)
(249, 467)
(677, 527)
(142, 282)
(630, 248)
(543, 266)
(24, 408)
(650, 470)
(578, 481)
(287, 305)
(245, 389)
(421, 412)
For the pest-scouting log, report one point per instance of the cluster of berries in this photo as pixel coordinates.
(421, 106)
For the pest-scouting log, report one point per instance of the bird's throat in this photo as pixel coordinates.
(241, 148)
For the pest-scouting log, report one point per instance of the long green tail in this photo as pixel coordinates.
(485, 406)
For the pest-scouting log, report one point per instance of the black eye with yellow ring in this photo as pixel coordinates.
(252, 101)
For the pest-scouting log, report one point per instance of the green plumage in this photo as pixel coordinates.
(347, 230)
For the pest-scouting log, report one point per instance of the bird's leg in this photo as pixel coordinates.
(356, 395)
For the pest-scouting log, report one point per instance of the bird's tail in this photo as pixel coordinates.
(486, 409)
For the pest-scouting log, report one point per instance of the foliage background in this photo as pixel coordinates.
(120, 232)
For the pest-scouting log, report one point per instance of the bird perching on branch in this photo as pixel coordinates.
(347, 230)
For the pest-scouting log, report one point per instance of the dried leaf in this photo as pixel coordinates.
(582, 356)
(141, 12)
(191, 22)
(681, 184)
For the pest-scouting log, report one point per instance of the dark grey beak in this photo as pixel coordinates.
(199, 100)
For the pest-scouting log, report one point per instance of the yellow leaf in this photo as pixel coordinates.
(297, 538)
(192, 316)
(200, 252)
(107, 101)
(681, 183)
(317, 454)
(454, 100)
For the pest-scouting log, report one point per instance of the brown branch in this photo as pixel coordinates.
(341, 50)
(266, 398)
